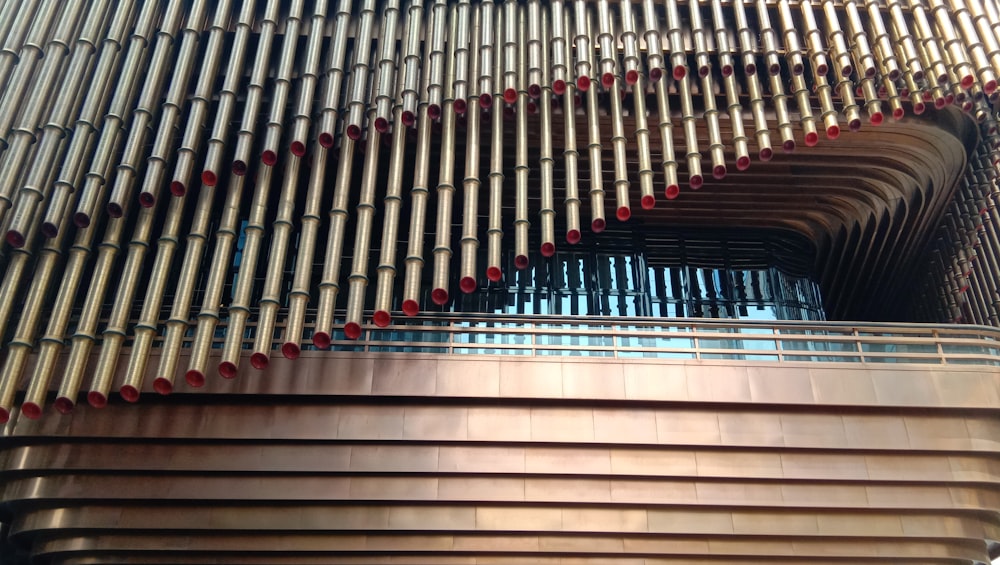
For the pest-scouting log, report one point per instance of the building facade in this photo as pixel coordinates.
(499, 282)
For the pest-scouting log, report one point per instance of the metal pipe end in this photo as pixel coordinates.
(209, 178)
(177, 188)
(240, 167)
(228, 370)
(129, 393)
(598, 225)
(97, 399)
(672, 191)
(548, 249)
(648, 202)
(15, 239)
(719, 172)
(31, 410)
(788, 146)
(325, 140)
(64, 405)
(696, 182)
(270, 158)
(411, 307)
(467, 285)
(383, 318)
(494, 274)
(163, 385)
(290, 350)
(521, 261)
(146, 199)
(832, 132)
(297, 148)
(259, 361)
(321, 340)
(352, 330)
(743, 163)
(195, 378)
(459, 105)
(623, 213)
(765, 154)
(439, 296)
(583, 83)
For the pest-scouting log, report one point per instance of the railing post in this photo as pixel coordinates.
(857, 342)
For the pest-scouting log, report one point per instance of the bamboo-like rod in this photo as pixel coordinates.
(594, 149)
(361, 68)
(780, 101)
(145, 111)
(471, 183)
(546, 211)
(255, 89)
(335, 75)
(561, 54)
(678, 60)
(436, 58)
(623, 209)
(222, 258)
(654, 43)
(606, 41)
(928, 42)
(17, 263)
(895, 101)
(412, 62)
(722, 47)
(32, 50)
(757, 108)
(534, 47)
(863, 57)
(521, 170)
(793, 46)
(212, 165)
(298, 296)
(748, 41)
(872, 103)
(880, 37)
(494, 230)
(768, 38)
(850, 107)
(172, 106)
(960, 64)
(975, 46)
(487, 53)
(700, 40)
(828, 113)
(717, 151)
(365, 211)
(283, 78)
(442, 252)
(647, 198)
(16, 18)
(584, 66)
(814, 40)
(837, 40)
(690, 125)
(462, 58)
(511, 52)
(239, 306)
(302, 116)
(736, 122)
(571, 156)
(201, 100)
(668, 159)
(630, 46)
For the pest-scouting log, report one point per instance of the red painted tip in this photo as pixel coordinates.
(797, 68)
(352, 330)
(270, 158)
(63, 405)
(822, 69)
(719, 172)
(898, 114)
(81, 220)
(381, 125)
(129, 393)
(177, 188)
(927, 95)
(750, 69)
(354, 132)
(598, 225)
(960, 97)
(31, 410)
(727, 70)
(583, 83)
(290, 350)
(4, 415)
(573, 237)
(321, 340)
(774, 69)
(433, 111)
(163, 386)
(696, 182)
(408, 118)
(854, 125)
(648, 202)
(325, 140)
(411, 308)
(894, 75)
(458, 105)
(228, 370)
(765, 153)
(812, 138)
(115, 210)
(494, 274)
(631, 77)
(15, 239)
(466, 284)
(297, 148)
(96, 399)
(259, 361)
(147, 200)
(949, 99)
(918, 108)
(858, 91)
(788, 146)
(876, 119)
(608, 80)
(534, 91)
(655, 74)
(623, 213)
(967, 81)
(967, 107)
(548, 249)
(239, 168)
(208, 178)
(485, 101)
(510, 96)
(680, 72)
(382, 318)
(703, 71)
(439, 296)
(743, 163)
(521, 262)
(559, 87)
(904, 92)
(870, 72)
(532, 108)
(990, 86)
(940, 103)
(195, 378)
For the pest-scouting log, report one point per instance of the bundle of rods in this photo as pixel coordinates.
(114, 114)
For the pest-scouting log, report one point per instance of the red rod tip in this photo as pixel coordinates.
(485, 101)
(750, 69)
(177, 188)
(494, 274)
(894, 75)
(115, 210)
(352, 330)
(967, 81)
(208, 178)
(381, 125)
(559, 87)
(325, 140)
(290, 350)
(163, 386)
(408, 118)
(832, 132)
(743, 163)
(598, 225)
(259, 361)
(81, 220)
(467, 285)
(608, 80)
(534, 91)
(510, 96)
(949, 99)
(382, 318)
(239, 168)
(195, 378)
(532, 108)
(696, 182)
(788, 146)
(433, 112)
(822, 69)
(876, 119)
(990, 87)
(655, 74)
(812, 138)
(919, 108)
(672, 191)
(648, 202)
(227, 370)
(583, 84)
(31, 410)
(967, 107)
(623, 213)
(727, 70)
(15, 239)
(680, 72)
(297, 148)
(129, 393)
(411, 308)
(321, 340)
(765, 153)
(458, 105)
(63, 405)
(870, 72)
(854, 125)
(96, 399)
(147, 200)
(898, 114)
(703, 71)
(719, 172)
(927, 95)
(846, 71)
(939, 103)
(774, 69)
(632, 77)
(797, 69)
(354, 132)
(548, 249)
(573, 236)
(521, 262)
(439, 296)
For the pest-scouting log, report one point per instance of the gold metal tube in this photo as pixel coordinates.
(17, 265)
(16, 19)
(974, 46)
(780, 101)
(678, 58)
(358, 278)
(436, 58)
(584, 65)
(487, 52)
(904, 39)
(748, 41)
(561, 54)
(814, 40)
(793, 47)
(446, 178)
(471, 184)
(850, 107)
(509, 65)
(298, 296)
(838, 41)
(666, 127)
(654, 43)
(629, 40)
(863, 57)
(872, 103)
(255, 89)
(302, 117)
(801, 93)
(623, 209)
(736, 122)
(928, 42)
(880, 36)
(571, 159)
(953, 45)
(717, 150)
(594, 148)
(494, 231)
(534, 48)
(607, 41)
(283, 81)
(546, 212)
(335, 74)
(722, 47)
(521, 222)
(991, 41)
(828, 113)
(768, 38)
(647, 199)
(757, 108)
(462, 59)
(418, 201)
(689, 122)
